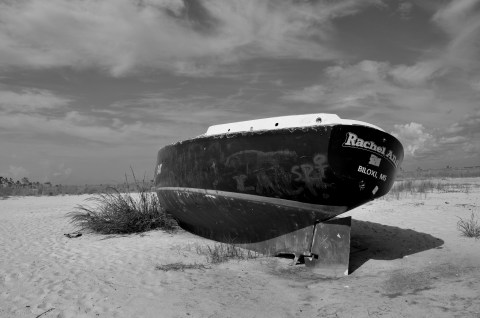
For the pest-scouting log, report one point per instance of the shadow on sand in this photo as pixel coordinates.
(382, 242)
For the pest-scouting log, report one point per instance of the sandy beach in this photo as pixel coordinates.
(409, 260)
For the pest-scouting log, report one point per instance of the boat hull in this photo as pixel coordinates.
(255, 186)
(241, 218)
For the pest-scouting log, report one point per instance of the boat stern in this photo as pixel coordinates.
(364, 158)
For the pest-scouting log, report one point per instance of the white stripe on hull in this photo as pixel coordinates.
(336, 210)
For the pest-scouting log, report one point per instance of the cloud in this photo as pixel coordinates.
(417, 142)
(188, 37)
(75, 126)
(312, 94)
(423, 86)
(452, 17)
(344, 86)
(41, 116)
(197, 111)
(371, 71)
(405, 9)
(394, 94)
(459, 142)
(15, 172)
(368, 85)
(416, 74)
(475, 84)
(461, 22)
(30, 99)
(468, 125)
(60, 171)
(142, 121)
(53, 171)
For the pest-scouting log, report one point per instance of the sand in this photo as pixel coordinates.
(409, 261)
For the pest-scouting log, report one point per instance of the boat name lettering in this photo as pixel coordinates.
(368, 172)
(353, 141)
(373, 173)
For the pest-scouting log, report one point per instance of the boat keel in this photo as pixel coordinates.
(325, 246)
(331, 248)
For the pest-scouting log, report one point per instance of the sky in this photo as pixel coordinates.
(90, 89)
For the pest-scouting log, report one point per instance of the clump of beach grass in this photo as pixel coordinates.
(469, 227)
(224, 252)
(115, 212)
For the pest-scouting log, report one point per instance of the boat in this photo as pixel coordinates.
(270, 184)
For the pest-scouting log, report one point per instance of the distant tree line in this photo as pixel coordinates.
(25, 187)
(447, 172)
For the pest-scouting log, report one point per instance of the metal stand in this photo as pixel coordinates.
(331, 248)
(325, 246)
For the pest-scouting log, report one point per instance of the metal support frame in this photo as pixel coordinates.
(325, 246)
(331, 248)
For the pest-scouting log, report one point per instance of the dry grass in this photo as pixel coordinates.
(214, 254)
(469, 227)
(404, 188)
(223, 252)
(180, 267)
(115, 212)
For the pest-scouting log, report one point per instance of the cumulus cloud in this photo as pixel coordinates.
(459, 142)
(185, 36)
(417, 142)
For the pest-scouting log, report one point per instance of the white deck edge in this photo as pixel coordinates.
(284, 122)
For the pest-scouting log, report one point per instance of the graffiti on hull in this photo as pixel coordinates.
(311, 174)
(277, 173)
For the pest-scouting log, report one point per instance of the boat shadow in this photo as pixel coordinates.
(383, 242)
